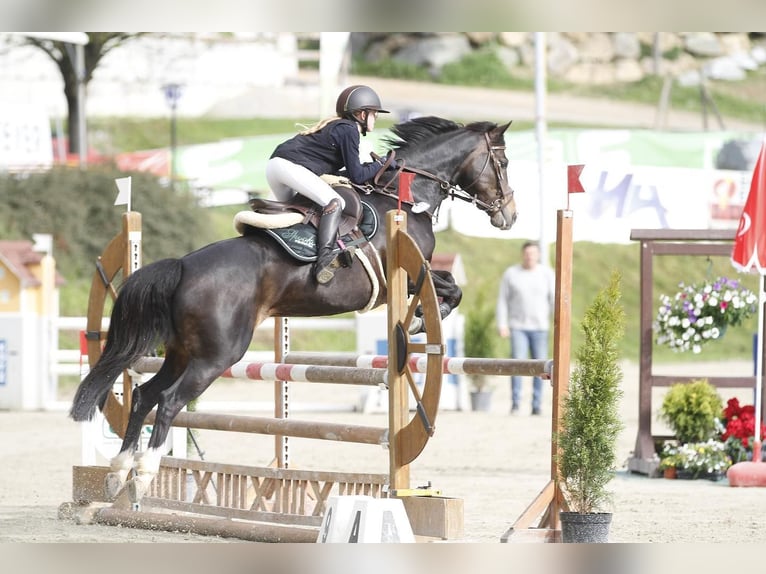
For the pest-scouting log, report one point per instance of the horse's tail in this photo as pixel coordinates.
(141, 319)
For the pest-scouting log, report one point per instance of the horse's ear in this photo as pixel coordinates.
(499, 130)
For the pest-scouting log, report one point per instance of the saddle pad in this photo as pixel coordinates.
(300, 240)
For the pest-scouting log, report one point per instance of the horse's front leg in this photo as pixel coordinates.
(448, 293)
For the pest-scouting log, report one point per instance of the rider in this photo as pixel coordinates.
(327, 147)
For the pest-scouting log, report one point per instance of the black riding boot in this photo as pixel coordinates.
(327, 263)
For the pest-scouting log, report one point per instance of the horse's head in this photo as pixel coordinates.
(465, 162)
(484, 176)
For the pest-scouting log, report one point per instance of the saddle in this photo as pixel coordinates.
(352, 212)
(293, 224)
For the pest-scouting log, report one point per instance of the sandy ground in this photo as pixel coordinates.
(495, 462)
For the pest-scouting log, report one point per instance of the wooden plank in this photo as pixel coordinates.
(435, 516)
(682, 234)
(398, 401)
(88, 483)
(285, 427)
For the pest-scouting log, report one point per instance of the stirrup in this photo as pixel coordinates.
(326, 273)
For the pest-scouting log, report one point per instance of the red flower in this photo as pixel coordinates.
(732, 409)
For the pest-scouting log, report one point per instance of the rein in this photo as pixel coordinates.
(447, 188)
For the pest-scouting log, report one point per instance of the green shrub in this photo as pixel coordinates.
(77, 208)
(691, 410)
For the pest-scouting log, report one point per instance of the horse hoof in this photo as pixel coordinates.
(416, 326)
(112, 486)
(138, 487)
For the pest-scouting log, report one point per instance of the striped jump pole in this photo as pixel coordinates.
(294, 373)
(418, 363)
(353, 369)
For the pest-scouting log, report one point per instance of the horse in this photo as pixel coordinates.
(204, 306)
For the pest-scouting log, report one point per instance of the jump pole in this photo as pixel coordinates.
(551, 499)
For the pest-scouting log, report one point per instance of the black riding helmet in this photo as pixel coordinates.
(355, 98)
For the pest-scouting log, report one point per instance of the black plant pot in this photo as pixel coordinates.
(585, 528)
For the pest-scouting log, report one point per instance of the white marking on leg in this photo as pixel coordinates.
(122, 464)
(149, 461)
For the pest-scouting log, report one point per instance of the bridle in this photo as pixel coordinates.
(454, 191)
(501, 198)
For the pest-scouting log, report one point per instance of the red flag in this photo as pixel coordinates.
(573, 179)
(750, 241)
(405, 179)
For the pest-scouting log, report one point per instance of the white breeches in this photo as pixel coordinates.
(287, 178)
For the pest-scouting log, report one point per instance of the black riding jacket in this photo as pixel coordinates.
(329, 150)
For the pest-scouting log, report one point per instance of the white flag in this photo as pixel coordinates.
(123, 197)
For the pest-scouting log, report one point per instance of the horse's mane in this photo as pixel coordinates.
(418, 131)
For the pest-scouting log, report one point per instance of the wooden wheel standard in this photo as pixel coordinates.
(121, 256)
(406, 262)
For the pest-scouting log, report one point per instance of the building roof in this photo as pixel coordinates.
(451, 262)
(18, 255)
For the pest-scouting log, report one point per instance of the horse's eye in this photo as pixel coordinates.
(504, 163)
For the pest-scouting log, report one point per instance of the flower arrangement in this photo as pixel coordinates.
(698, 314)
(697, 459)
(738, 430)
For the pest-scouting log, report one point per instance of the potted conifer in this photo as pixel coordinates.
(590, 423)
(478, 342)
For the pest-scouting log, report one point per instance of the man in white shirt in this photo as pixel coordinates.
(524, 303)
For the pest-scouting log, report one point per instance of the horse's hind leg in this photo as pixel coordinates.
(171, 401)
(144, 398)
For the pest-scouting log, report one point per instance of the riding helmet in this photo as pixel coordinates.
(356, 98)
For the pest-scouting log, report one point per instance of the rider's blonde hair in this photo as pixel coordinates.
(318, 126)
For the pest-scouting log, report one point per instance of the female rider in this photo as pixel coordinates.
(327, 147)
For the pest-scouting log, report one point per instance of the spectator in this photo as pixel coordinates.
(524, 303)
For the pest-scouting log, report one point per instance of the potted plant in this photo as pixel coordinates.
(738, 431)
(700, 313)
(691, 460)
(590, 422)
(692, 410)
(479, 343)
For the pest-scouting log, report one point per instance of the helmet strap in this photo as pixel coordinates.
(363, 122)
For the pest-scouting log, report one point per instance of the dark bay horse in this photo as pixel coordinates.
(204, 306)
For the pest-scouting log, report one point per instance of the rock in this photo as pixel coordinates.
(597, 48)
(628, 70)
(591, 73)
(562, 55)
(734, 43)
(759, 54)
(434, 52)
(703, 44)
(724, 69)
(513, 39)
(626, 45)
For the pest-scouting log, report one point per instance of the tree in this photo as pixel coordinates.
(64, 56)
